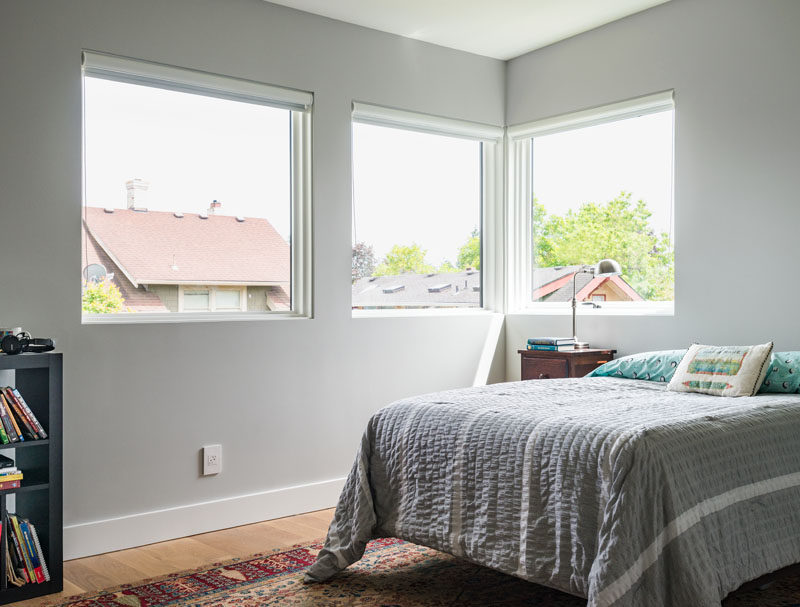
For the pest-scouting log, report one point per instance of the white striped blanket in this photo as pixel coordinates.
(611, 489)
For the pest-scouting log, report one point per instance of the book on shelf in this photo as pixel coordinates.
(6, 462)
(17, 421)
(559, 348)
(19, 414)
(25, 558)
(551, 341)
(27, 410)
(6, 420)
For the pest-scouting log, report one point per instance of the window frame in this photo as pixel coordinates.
(300, 105)
(519, 190)
(492, 210)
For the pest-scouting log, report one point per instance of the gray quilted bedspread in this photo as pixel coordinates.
(611, 489)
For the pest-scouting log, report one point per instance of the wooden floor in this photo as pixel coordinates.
(125, 566)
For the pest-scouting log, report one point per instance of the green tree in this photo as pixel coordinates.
(363, 260)
(446, 267)
(469, 255)
(618, 229)
(404, 258)
(102, 298)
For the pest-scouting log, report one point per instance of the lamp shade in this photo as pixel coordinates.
(607, 267)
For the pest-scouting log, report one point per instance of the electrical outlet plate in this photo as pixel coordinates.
(212, 459)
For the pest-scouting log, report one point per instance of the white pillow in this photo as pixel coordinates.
(722, 370)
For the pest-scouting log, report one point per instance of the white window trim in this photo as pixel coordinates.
(519, 192)
(492, 208)
(300, 103)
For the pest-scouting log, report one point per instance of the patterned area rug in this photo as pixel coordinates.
(393, 573)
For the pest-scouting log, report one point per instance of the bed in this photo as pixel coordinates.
(615, 490)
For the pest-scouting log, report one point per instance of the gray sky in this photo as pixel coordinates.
(414, 187)
(407, 186)
(593, 164)
(192, 149)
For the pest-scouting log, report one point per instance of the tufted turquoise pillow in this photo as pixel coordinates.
(652, 366)
(783, 374)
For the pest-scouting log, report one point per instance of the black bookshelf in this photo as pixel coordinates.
(38, 377)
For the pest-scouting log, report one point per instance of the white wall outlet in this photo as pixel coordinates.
(212, 459)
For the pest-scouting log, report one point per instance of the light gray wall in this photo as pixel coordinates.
(734, 67)
(286, 399)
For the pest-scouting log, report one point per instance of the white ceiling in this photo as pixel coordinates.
(502, 29)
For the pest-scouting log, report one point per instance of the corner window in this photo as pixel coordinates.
(418, 208)
(192, 181)
(598, 185)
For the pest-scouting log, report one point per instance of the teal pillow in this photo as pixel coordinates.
(783, 374)
(650, 366)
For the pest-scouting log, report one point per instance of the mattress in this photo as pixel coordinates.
(611, 489)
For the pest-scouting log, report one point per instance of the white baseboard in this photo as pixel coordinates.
(96, 537)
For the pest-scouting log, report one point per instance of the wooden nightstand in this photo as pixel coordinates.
(546, 364)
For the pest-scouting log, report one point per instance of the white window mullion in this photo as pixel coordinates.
(493, 240)
(518, 225)
(302, 253)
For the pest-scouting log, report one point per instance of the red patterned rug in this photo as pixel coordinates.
(392, 573)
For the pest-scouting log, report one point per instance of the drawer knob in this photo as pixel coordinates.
(544, 376)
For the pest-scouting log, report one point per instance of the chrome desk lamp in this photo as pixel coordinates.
(604, 267)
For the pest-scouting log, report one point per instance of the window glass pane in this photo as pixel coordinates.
(182, 188)
(416, 219)
(227, 299)
(194, 301)
(604, 192)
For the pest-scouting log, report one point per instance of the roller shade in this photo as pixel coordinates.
(640, 106)
(122, 69)
(365, 113)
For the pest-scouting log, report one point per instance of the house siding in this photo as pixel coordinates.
(257, 299)
(168, 294)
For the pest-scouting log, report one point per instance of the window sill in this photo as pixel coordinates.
(639, 309)
(186, 317)
(421, 313)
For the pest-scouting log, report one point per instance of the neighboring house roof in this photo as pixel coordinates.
(555, 284)
(156, 247)
(136, 300)
(419, 290)
(425, 290)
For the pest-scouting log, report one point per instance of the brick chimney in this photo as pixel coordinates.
(215, 206)
(137, 194)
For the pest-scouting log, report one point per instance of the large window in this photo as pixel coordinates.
(195, 197)
(600, 187)
(418, 192)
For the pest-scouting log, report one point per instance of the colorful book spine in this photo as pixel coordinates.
(549, 348)
(21, 542)
(550, 341)
(14, 476)
(34, 555)
(6, 485)
(7, 422)
(39, 430)
(19, 413)
(19, 561)
(40, 552)
(11, 416)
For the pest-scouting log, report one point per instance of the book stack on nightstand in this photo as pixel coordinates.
(555, 357)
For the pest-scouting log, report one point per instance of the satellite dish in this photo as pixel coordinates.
(94, 272)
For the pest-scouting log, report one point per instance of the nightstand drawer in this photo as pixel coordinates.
(544, 368)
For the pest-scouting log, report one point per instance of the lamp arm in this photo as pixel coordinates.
(582, 270)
